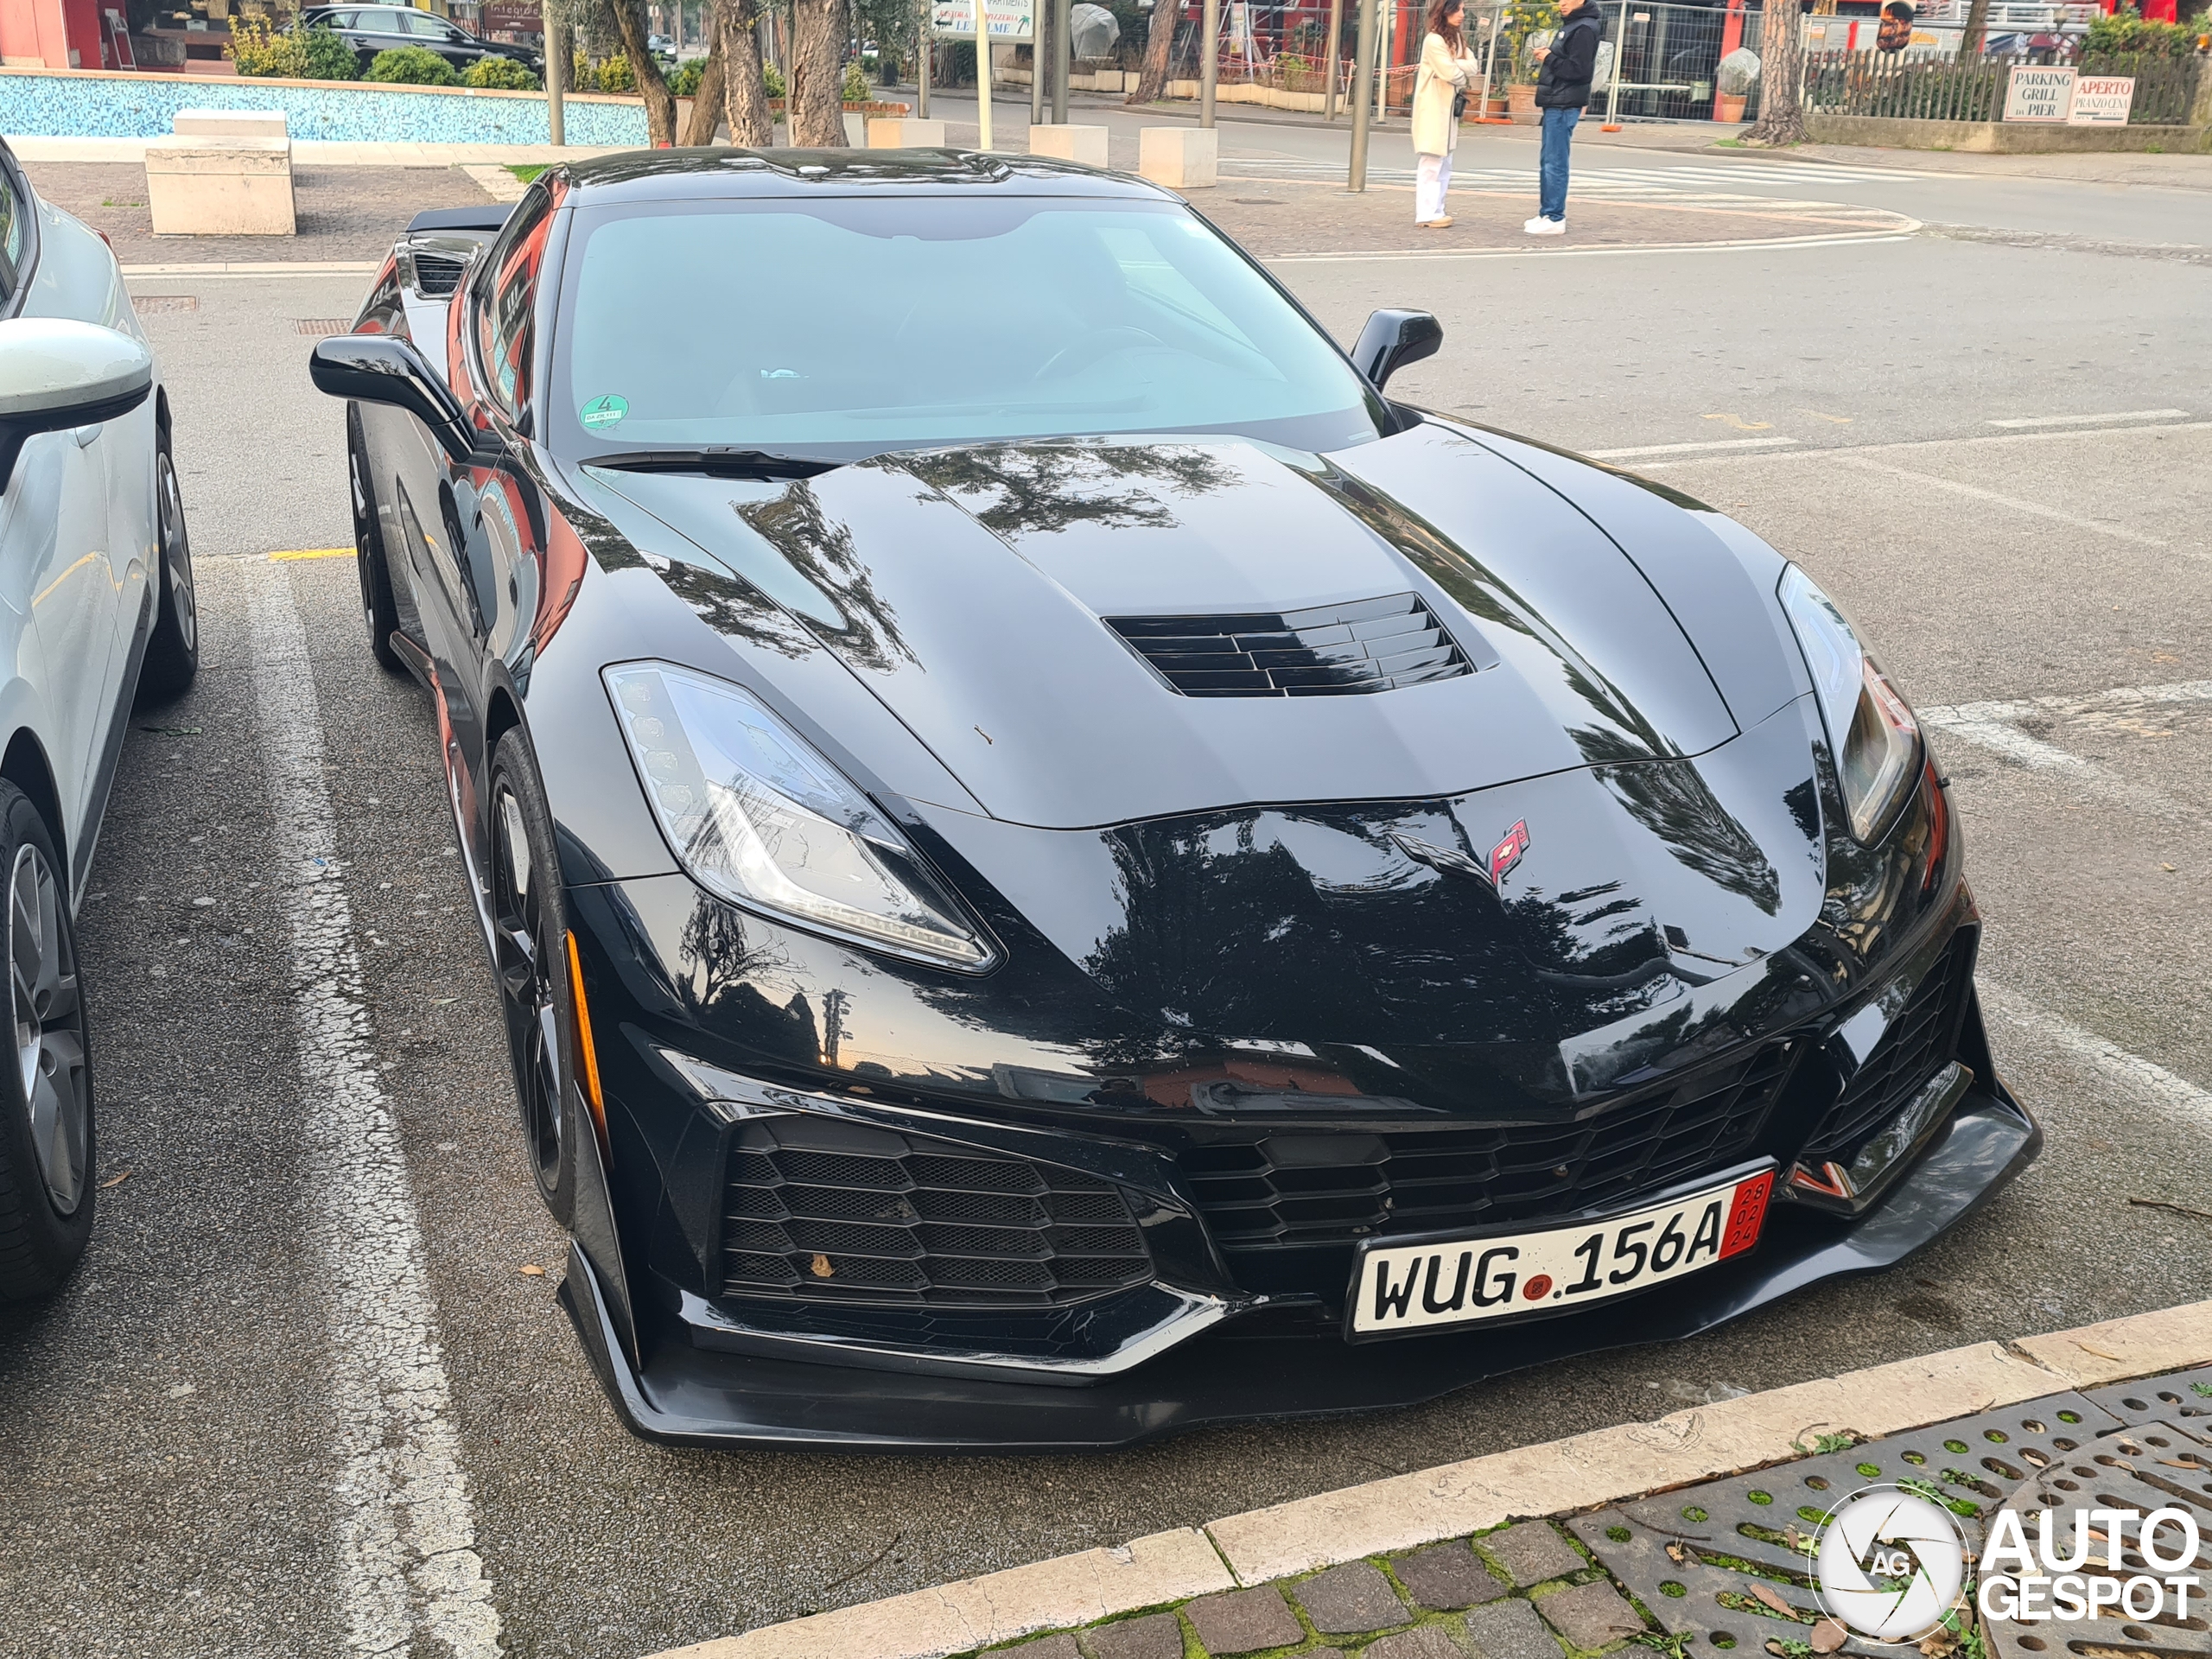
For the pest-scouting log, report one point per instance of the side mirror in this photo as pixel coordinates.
(384, 369)
(1394, 339)
(57, 374)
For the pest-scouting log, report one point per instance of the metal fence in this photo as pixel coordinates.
(1947, 89)
(1667, 59)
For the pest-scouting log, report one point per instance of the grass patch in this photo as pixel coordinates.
(528, 172)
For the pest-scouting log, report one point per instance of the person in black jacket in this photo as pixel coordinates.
(1562, 91)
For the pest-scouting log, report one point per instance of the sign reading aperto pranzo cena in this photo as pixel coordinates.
(2061, 97)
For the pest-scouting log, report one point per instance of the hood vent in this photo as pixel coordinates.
(1371, 644)
(437, 274)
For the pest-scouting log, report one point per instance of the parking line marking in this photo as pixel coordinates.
(408, 1563)
(1832, 449)
(1686, 448)
(2119, 699)
(2185, 1103)
(1977, 725)
(2091, 419)
(1978, 493)
(313, 553)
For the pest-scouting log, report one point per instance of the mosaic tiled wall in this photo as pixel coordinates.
(85, 105)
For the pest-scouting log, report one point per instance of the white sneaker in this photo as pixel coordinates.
(1546, 227)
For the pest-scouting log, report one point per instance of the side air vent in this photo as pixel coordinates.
(1373, 645)
(436, 275)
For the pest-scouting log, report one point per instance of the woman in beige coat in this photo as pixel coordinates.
(1447, 70)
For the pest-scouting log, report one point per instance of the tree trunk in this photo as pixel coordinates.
(815, 112)
(1151, 75)
(1977, 26)
(1782, 75)
(706, 102)
(660, 103)
(745, 98)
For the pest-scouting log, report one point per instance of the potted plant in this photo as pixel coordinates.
(1528, 24)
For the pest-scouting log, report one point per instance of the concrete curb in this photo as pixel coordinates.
(1603, 1466)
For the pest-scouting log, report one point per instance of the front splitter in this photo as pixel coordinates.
(686, 1395)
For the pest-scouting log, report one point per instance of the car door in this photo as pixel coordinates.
(380, 28)
(439, 37)
(55, 544)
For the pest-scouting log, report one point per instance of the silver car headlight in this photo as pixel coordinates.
(1871, 732)
(758, 817)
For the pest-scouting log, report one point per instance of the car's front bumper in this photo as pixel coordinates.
(1234, 1369)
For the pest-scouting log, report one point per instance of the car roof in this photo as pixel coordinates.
(691, 174)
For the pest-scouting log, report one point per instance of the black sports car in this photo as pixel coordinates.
(1062, 868)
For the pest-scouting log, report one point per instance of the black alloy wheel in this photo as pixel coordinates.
(378, 609)
(172, 651)
(530, 953)
(47, 1141)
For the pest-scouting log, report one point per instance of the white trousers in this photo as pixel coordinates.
(1432, 178)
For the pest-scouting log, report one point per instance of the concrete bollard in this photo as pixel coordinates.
(897, 132)
(231, 124)
(1086, 146)
(221, 186)
(1182, 158)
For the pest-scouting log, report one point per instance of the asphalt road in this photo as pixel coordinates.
(177, 1438)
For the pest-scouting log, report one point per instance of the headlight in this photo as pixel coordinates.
(1873, 735)
(760, 819)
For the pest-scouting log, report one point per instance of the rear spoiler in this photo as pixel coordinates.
(490, 217)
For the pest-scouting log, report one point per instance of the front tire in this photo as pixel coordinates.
(530, 953)
(173, 654)
(46, 1140)
(378, 609)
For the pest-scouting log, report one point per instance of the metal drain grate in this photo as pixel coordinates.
(164, 305)
(1679, 1552)
(322, 327)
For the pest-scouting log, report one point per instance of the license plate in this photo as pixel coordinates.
(1416, 1286)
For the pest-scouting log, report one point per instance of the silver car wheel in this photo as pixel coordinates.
(48, 1025)
(176, 555)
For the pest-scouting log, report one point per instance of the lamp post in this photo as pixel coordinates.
(1363, 73)
(1331, 64)
(1062, 56)
(1208, 58)
(982, 79)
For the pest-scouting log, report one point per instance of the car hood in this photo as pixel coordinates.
(968, 590)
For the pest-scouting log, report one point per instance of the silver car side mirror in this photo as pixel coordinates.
(56, 374)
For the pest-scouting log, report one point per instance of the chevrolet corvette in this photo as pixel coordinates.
(1060, 866)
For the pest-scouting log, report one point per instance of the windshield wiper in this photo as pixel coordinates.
(716, 462)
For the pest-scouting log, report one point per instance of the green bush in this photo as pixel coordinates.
(325, 57)
(856, 91)
(614, 74)
(500, 75)
(412, 65)
(771, 80)
(257, 50)
(2126, 32)
(684, 83)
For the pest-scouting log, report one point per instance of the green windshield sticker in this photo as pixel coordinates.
(604, 411)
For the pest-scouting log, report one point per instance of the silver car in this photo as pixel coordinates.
(96, 611)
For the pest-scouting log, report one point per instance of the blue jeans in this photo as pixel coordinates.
(1551, 193)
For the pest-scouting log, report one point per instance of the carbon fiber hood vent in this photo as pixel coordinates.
(1373, 645)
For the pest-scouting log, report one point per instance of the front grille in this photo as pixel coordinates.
(1301, 1188)
(1919, 1042)
(1375, 644)
(436, 275)
(824, 1210)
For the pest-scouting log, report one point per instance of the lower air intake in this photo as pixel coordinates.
(823, 1211)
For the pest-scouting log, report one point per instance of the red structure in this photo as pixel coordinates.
(58, 34)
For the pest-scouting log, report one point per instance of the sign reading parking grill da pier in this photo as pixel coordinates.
(2039, 92)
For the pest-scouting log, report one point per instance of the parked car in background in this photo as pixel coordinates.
(371, 29)
(96, 608)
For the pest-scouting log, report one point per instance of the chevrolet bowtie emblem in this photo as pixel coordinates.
(1502, 857)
